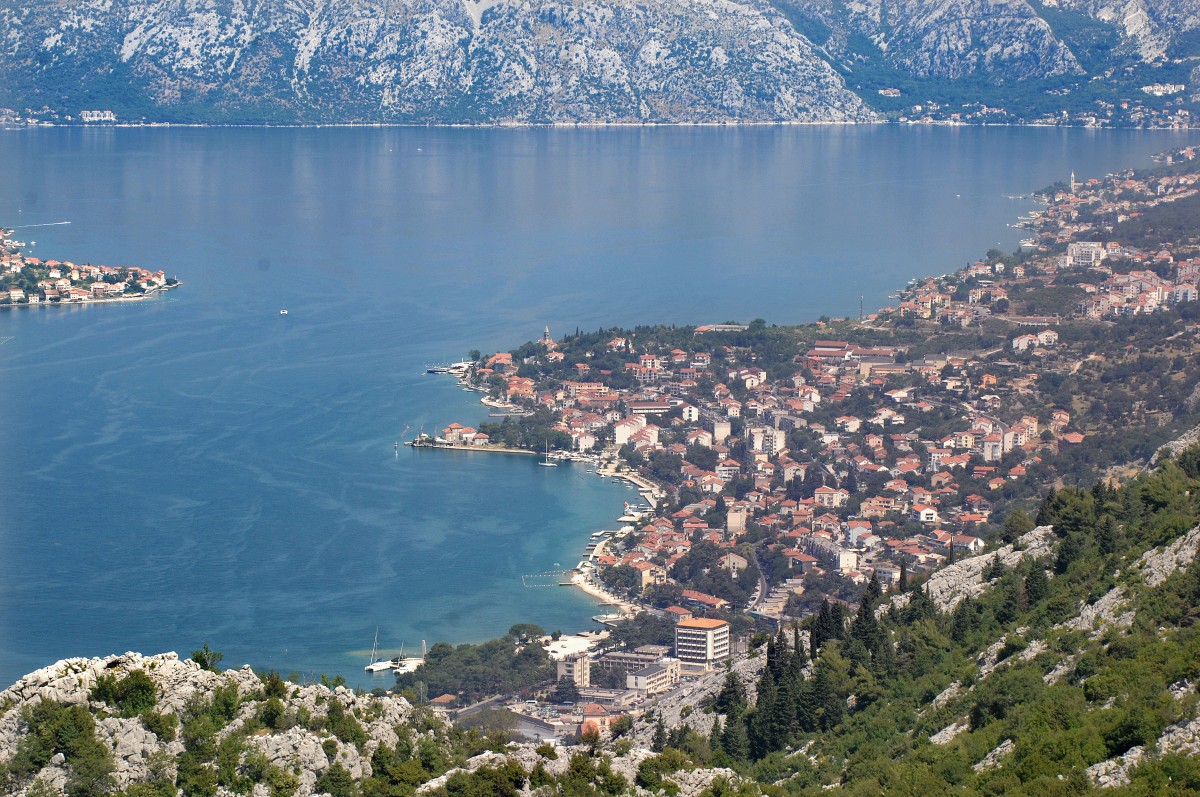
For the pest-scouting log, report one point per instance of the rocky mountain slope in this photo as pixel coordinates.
(420, 61)
(943, 39)
(518, 61)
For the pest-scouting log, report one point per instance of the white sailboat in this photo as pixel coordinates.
(546, 461)
(376, 665)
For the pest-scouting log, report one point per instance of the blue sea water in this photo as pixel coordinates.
(198, 468)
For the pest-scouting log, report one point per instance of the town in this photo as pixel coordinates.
(30, 281)
(791, 468)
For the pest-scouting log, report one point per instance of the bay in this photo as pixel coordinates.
(198, 468)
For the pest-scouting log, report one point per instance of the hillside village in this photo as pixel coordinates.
(823, 456)
(27, 280)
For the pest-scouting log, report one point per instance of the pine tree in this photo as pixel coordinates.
(1108, 535)
(1016, 524)
(1069, 550)
(865, 628)
(799, 657)
(806, 706)
(779, 664)
(838, 615)
(783, 716)
(1045, 513)
(731, 699)
(874, 591)
(715, 736)
(761, 736)
(659, 741)
(961, 622)
(920, 606)
(735, 740)
(1036, 585)
(821, 629)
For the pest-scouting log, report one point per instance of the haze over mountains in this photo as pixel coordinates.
(280, 61)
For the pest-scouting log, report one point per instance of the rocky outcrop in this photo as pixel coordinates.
(420, 61)
(547, 61)
(994, 758)
(1157, 566)
(136, 749)
(965, 579)
(1187, 439)
(687, 782)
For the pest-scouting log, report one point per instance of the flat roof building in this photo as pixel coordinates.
(702, 641)
(655, 678)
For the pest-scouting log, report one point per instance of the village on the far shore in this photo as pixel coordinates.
(27, 281)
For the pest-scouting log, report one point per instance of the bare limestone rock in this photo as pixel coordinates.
(1097, 617)
(965, 579)
(1158, 565)
(992, 759)
(133, 746)
(947, 734)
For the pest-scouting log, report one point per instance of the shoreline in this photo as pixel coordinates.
(100, 300)
(481, 449)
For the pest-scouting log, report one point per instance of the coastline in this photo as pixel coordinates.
(99, 300)
(626, 608)
(480, 449)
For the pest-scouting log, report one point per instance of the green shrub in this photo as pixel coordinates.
(164, 726)
(131, 695)
(336, 780)
(53, 728)
(271, 713)
(343, 725)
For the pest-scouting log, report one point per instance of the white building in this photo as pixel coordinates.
(702, 642)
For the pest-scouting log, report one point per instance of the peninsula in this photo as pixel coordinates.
(29, 281)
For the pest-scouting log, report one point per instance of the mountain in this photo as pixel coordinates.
(942, 39)
(418, 61)
(609, 61)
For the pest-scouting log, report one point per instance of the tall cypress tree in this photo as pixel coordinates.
(779, 664)
(659, 741)
(715, 736)
(799, 656)
(732, 697)
(735, 740)
(806, 705)
(821, 628)
(760, 720)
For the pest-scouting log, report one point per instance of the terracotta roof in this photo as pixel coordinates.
(702, 622)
